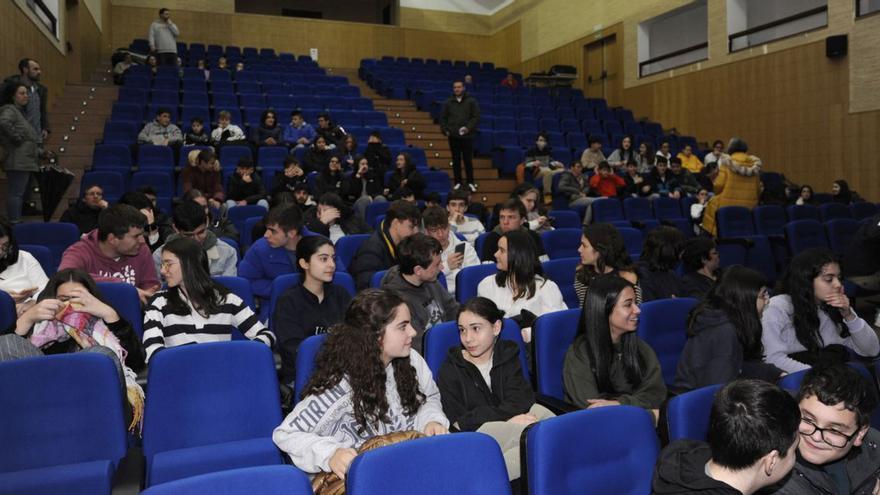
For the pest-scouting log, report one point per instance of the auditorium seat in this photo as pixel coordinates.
(840, 232)
(663, 326)
(110, 182)
(125, 299)
(562, 272)
(57, 236)
(437, 341)
(687, 414)
(561, 243)
(468, 278)
(552, 335)
(265, 480)
(805, 234)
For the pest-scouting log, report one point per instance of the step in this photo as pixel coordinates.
(446, 163)
(404, 122)
(405, 114)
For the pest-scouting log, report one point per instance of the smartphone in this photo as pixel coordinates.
(459, 249)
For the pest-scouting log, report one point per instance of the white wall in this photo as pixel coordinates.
(483, 7)
(94, 8)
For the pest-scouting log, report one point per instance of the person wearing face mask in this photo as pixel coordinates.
(539, 161)
(332, 218)
(190, 221)
(608, 364)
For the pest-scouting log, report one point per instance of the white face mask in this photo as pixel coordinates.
(154, 237)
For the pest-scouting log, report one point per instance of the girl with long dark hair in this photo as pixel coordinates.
(623, 154)
(661, 253)
(268, 133)
(603, 251)
(482, 385)
(724, 333)
(518, 288)
(805, 197)
(312, 306)
(367, 382)
(21, 275)
(607, 364)
(194, 308)
(406, 175)
(810, 320)
(840, 192)
(531, 198)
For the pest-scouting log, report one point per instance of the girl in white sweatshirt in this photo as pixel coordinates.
(344, 404)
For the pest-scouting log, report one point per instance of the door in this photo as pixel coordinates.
(601, 75)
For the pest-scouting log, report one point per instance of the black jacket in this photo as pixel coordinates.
(490, 245)
(84, 216)
(333, 134)
(661, 284)
(326, 182)
(193, 139)
(681, 469)
(415, 182)
(260, 134)
(457, 114)
(353, 186)
(282, 183)
(660, 185)
(349, 221)
(299, 315)
(239, 190)
(467, 399)
(695, 285)
(316, 160)
(378, 155)
(375, 254)
(861, 256)
(43, 93)
(862, 469)
(714, 355)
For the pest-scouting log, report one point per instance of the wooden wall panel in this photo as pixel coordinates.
(439, 20)
(20, 38)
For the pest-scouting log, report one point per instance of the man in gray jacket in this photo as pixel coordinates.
(415, 281)
(161, 131)
(163, 38)
(838, 451)
(459, 120)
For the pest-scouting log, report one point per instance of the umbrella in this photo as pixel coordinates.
(53, 181)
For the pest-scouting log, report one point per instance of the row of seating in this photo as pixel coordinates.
(243, 95)
(141, 45)
(359, 110)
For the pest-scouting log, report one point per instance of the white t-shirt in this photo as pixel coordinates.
(24, 274)
(470, 259)
(547, 298)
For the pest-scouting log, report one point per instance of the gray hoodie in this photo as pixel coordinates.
(163, 36)
(428, 303)
(222, 258)
(155, 133)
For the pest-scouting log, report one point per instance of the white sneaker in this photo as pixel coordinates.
(457, 187)
(472, 187)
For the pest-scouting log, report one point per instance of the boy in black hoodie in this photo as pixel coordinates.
(245, 186)
(752, 439)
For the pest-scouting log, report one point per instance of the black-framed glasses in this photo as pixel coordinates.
(830, 436)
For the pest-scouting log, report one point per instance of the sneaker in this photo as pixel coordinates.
(457, 186)
(472, 187)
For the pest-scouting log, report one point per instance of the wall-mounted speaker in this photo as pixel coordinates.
(835, 46)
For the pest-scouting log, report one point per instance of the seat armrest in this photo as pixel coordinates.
(129, 476)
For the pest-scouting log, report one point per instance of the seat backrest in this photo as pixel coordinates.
(375, 209)
(734, 221)
(666, 208)
(805, 234)
(306, 354)
(863, 210)
(769, 219)
(466, 463)
(346, 247)
(7, 310)
(238, 375)
(125, 300)
(622, 450)
(633, 239)
(638, 209)
(840, 233)
(832, 211)
(239, 286)
(480, 242)
(43, 255)
(607, 210)
(468, 278)
(562, 271)
(803, 212)
(444, 336)
(57, 236)
(687, 414)
(561, 243)
(552, 334)
(238, 214)
(265, 480)
(663, 326)
(60, 409)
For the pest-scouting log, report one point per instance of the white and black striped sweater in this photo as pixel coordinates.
(163, 329)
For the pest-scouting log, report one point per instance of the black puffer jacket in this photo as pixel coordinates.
(681, 469)
(467, 399)
(862, 469)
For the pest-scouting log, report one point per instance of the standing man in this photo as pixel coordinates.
(36, 110)
(461, 115)
(163, 38)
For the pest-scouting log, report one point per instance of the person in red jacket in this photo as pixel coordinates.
(606, 183)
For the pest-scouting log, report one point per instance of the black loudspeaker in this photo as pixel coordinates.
(835, 46)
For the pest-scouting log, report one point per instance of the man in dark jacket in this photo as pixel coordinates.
(459, 120)
(511, 216)
(379, 252)
(839, 452)
(85, 212)
(332, 133)
(752, 439)
(414, 279)
(701, 262)
(36, 111)
(333, 219)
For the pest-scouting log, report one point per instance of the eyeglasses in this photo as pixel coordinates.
(830, 436)
(168, 264)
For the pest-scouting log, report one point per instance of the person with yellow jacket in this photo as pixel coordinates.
(738, 182)
(690, 161)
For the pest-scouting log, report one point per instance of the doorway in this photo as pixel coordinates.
(602, 78)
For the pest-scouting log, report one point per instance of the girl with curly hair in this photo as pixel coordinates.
(602, 251)
(367, 382)
(810, 320)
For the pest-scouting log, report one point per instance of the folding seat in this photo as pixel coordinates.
(238, 214)
(275, 88)
(392, 136)
(863, 210)
(505, 124)
(769, 220)
(833, 211)
(197, 99)
(469, 277)
(123, 133)
(668, 211)
(271, 157)
(527, 139)
(505, 110)
(436, 181)
(133, 96)
(443, 336)
(57, 236)
(609, 211)
(612, 127)
(592, 127)
(524, 112)
(159, 157)
(561, 243)
(552, 335)
(632, 128)
(112, 184)
(624, 115)
(248, 87)
(218, 87)
(195, 436)
(622, 443)
(361, 104)
(137, 82)
(561, 271)
(230, 154)
(111, 155)
(374, 210)
(241, 287)
(374, 119)
(125, 300)
(266, 480)
(224, 100)
(566, 113)
(127, 112)
(840, 232)
(663, 326)
(252, 115)
(803, 212)
(276, 100)
(734, 221)
(222, 75)
(570, 125)
(162, 182)
(549, 124)
(805, 234)
(44, 258)
(253, 100)
(688, 414)
(166, 84)
(652, 128)
(526, 124)
(639, 212)
(41, 399)
(195, 85)
(576, 140)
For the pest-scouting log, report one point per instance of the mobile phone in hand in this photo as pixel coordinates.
(459, 249)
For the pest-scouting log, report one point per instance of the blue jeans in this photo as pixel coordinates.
(17, 182)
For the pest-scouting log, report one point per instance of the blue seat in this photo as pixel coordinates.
(7, 310)
(468, 278)
(552, 335)
(162, 182)
(734, 221)
(111, 183)
(229, 155)
(623, 447)
(346, 247)
(124, 298)
(111, 156)
(159, 157)
(265, 480)
(769, 219)
(372, 118)
(57, 236)
(43, 256)
(467, 463)
(41, 399)
(863, 210)
(608, 211)
(663, 326)
(238, 214)
(666, 208)
(687, 415)
(562, 272)
(805, 234)
(374, 210)
(306, 354)
(840, 233)
(803, 212)
(391, 136)
(833, 211)
(376, 279)
(271, 156)
(633, 239)
(561, 243)
(127, 112)
(239, 286)
(284, 282)
(124, 133)
(565, 219)
(436, 181)
(196, 436)
(444, 336)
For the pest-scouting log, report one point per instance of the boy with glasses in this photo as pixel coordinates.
(190, 221)
(838, 451)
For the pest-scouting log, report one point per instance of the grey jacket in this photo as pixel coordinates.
(428, 303)
(571, 187)
(43, 93)
(19, 141)
(153, 132)
(222, 258)
(862, 469)
(163, 37)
